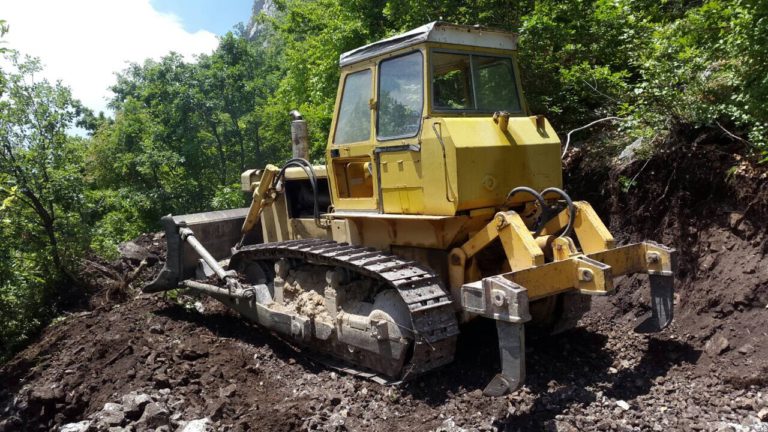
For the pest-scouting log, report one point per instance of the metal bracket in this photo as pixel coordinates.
(506, 302)
(498, 298)
(594, 277)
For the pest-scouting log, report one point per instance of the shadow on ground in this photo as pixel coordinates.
(559, 368)
(559, 371)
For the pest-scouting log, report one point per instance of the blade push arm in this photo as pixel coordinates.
(263, 196)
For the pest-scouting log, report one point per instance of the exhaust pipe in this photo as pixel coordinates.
(299, 136)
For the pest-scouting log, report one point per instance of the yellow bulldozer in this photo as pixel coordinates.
(440, 202)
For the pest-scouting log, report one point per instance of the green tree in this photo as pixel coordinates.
(39, 164)
(42, 206)
(182, 134)
(227, 95)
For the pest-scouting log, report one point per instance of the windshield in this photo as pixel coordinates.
(473, 83)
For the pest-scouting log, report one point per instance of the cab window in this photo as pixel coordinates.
(494, 81)
(452, 82)
(354, 120)
(473, 83)
(401, 96)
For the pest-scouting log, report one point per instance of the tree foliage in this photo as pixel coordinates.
(183, 132)
(42, 222)
(184, 129)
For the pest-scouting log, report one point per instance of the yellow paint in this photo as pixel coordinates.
(561, 276)
(589, 229)
(593, 273)
(262, 197)
(563, 248)
(519, 245)
(454, 163)
(521, 156)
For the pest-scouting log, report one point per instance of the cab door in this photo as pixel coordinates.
(350, 147)
(398, 153)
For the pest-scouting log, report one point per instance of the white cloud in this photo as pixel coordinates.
(84, 42)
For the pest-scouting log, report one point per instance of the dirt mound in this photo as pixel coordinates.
(182, 364)
(140, 261)
(710, 203)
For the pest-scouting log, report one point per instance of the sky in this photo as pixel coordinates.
(84, 43)
(215, 16)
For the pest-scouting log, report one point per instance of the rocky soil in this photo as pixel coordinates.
(153, 363)
(138, 362)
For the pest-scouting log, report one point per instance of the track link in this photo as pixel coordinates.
(434, 321)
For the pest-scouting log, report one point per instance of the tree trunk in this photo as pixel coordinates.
(48, 222)
(257, 139)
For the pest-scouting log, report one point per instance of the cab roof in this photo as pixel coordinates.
(437, 31)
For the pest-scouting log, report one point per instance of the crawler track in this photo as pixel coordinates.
(433, 319)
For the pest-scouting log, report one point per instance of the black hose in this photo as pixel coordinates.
(307, 167)
(542, 202)
(527, 190)
(538, 197)
(571, 210)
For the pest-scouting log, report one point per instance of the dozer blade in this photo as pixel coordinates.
(217, 230)
(662, 304)
(512, 352)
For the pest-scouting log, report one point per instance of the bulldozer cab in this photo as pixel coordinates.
(410, 106)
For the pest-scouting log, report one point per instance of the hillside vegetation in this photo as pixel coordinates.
(183, 131)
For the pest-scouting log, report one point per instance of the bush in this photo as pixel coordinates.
(24, 304)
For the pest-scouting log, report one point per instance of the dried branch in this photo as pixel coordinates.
(568, 137)
(732, 135)
(632, 182)
(595, 89)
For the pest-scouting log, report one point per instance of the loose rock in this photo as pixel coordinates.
(717, 345)
(133, 404)
(82, 426)
(228, 391)
(111, 415)
(763, 414)
(199, 425)
(155, 415)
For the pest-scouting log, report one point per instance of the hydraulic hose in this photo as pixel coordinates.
(527, 190)
(542, 202)
(307, 167)
(571, 210)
